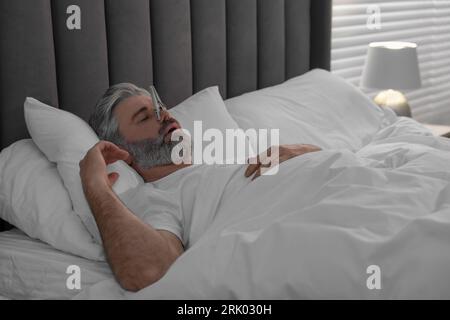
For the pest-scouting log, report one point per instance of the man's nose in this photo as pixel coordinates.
(165, 115)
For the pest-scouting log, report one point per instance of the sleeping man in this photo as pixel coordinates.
(143, 238)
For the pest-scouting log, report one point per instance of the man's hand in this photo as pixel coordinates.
(93, 166)
(285, 152)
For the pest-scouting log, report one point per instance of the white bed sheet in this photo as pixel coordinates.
(31, 269)
(317, 227)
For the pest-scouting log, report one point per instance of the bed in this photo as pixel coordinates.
(31, 269)
(369, 218)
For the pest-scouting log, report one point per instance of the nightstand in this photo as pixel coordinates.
(439, 130)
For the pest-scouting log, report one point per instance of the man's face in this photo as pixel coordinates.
(146, 138)
(137, 120)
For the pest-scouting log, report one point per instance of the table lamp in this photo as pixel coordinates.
(392, 66)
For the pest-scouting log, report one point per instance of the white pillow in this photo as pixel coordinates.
(33, 198)
(65, 138)
(317, 108)
(207, 106)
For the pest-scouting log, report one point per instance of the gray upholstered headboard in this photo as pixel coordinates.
(181, 46)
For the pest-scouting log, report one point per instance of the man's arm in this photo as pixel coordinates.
(138, 254)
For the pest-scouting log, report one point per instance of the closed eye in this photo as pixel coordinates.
(146, 117)
(143, 119)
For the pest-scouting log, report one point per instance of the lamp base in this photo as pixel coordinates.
(395, 100)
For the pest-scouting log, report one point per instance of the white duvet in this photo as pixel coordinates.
(314, 230)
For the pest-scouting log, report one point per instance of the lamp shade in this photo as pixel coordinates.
(391, 65)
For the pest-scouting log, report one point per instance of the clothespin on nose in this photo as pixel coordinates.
(155, 102)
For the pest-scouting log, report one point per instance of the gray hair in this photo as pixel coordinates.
(102, 120)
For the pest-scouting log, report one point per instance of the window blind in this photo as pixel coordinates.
(356, 23)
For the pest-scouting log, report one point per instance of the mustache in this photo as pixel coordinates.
(165, 124)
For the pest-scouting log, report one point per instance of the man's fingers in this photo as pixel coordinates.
(113, 157)
(111, 153)
(112, 177)
(266, 165)
(129, 159)
(251, 169)
(261, 160)
(103, 144)
(257, 174)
